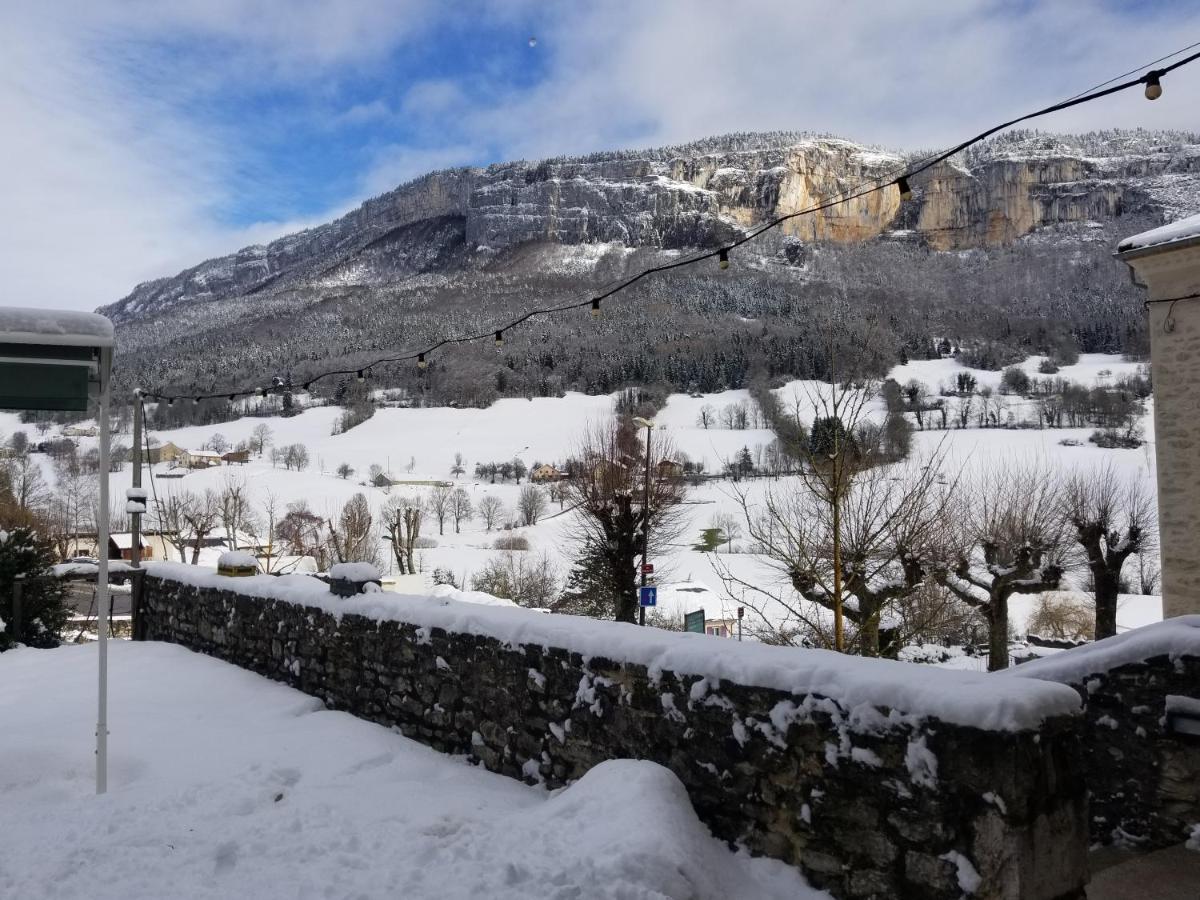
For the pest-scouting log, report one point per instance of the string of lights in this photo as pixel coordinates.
(901, 180)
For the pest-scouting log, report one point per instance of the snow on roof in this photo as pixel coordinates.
(1173, 638)
(124, 540)
(972, 699)
(1183, 230)
(59, 327)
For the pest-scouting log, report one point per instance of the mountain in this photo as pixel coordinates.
(441, 245)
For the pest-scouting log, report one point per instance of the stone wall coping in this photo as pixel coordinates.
(971, 699)
(1176, 637)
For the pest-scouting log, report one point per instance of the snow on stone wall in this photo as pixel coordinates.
(869, 799)
(1143, 775)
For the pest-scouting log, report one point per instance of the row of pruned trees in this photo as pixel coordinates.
(863, 550)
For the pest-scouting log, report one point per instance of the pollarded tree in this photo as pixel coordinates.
(1009, 541)
(402, 527)
(887, 522)
(1110, 519)
(353, 538)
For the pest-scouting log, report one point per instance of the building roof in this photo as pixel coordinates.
(204, 454)
(56, 327)
(1180, 232)
(123, 540)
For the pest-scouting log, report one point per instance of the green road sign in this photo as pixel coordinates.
(694, 621)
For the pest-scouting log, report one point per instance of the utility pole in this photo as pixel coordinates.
(135, 505)
(649, 426)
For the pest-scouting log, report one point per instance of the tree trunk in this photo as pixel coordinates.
(998, 631)
(1107, 587)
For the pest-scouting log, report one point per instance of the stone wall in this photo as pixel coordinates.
(1143, 776)
(868, 800)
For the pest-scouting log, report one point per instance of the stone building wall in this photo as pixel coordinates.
(1142, 774)
(869, 801)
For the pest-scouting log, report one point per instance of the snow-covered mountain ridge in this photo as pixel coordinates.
(699, 195)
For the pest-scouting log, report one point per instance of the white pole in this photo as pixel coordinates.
(102, 582)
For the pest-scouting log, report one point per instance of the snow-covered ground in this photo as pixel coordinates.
(420, 445)
(224, 784)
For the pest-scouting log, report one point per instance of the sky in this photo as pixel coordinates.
(144, 136)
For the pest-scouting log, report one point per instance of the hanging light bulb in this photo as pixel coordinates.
(170, 401)
(307, 385)
(723, 259)
(1153, 86)
(533, 42)
(595, 309)
(420, 360)
(360, 376)
(499, 339)
(232, 397)
(262, 392)
(905, 190)
(195, 401)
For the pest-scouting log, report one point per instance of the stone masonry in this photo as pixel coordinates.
(867, 802)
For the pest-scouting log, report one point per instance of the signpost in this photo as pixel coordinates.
(648, 596)
(694, 622)
(59, 360)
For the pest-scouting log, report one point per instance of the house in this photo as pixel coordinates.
(725, 628)
(669, 468)
(201, 459)
(120, 546)
(544, 473)
(1167, 261)
(164, 453)
(383, 480)
(80, 431)
(241, 457)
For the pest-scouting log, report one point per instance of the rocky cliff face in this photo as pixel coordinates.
(699, 196)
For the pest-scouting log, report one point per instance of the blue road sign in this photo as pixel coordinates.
(648, 596)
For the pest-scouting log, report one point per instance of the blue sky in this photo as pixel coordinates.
(146, 135)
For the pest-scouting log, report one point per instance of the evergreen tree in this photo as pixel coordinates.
(44, 611)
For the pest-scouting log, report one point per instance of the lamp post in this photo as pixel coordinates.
(649, 426)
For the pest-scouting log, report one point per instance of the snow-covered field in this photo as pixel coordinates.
(420, 445)
(224, 784)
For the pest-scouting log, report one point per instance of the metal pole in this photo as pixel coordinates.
(645, 526)
(135, 519)
(102, 607)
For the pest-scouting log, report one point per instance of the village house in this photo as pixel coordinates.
(164, 453)
(241, 457)
(120, 546)
(201, 459)
(544, 473)
(669, 468)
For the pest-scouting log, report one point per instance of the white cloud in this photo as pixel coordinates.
(109, 178)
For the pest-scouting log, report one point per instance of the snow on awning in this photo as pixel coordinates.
(54, 327)
(1183, 231)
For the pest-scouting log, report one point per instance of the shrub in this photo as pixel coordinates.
(1115, 439)
(511, 542)
(527, 581)
(1062, 616)
(425, 543)
(1014, 381)
(1047, 367)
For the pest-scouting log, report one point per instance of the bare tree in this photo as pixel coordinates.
(352, 539)
(557, 491)
(459, 466)
(200, 517)
(236, 511)
(461, 509)
(707, 417)
(526, 580)
(1009, 542)
(344, 470)
(402, 527)
(531, 503)
(491, 510)
(614, 506)
(261, 436)
(885, 527)
(1110, 519)
(439, 503)
(729, 527)
(304, 532)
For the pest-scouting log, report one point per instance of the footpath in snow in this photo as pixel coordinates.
(224, 784)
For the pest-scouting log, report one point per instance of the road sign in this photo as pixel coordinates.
(647, 568)
(648, 596)
(741, 612)
(694, 621)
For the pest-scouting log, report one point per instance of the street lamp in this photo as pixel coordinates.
(649, 426)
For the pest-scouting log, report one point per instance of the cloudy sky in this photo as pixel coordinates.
(142, 136)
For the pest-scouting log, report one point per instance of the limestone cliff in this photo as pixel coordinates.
(700, 195)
